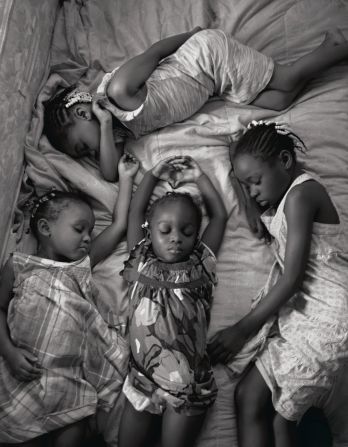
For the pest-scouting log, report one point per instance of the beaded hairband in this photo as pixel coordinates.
(75, 97)
(281, 128)
(40, 201)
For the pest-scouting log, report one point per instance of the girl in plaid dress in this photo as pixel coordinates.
(60, 359)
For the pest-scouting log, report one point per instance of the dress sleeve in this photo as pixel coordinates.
(208, 260)
(134, 262)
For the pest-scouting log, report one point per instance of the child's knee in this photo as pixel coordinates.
(244, 398)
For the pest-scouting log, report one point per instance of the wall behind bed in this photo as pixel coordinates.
(25, 38)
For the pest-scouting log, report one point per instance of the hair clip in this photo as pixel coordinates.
(75, 97)
(255, 123)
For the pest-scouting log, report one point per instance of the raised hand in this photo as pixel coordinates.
(187, 169)
(23, 365)
(167, 171)
(103, 115)
(128, 165)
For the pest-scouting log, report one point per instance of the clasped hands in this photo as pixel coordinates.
(177, 169)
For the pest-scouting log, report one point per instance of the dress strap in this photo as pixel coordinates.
(298, 180)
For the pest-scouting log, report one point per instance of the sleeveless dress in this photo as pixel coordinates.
(308, 345)
(169, 316)
(208, 63)
(83, 358)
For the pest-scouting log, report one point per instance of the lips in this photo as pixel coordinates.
(175, 250)
(262, 202)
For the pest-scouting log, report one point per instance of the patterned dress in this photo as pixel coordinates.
(169, 316)
(209, 63)
(83, 358)
(309, 344)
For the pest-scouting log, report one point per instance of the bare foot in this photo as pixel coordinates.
(334, 37)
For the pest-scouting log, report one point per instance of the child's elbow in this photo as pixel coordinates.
(110, 175)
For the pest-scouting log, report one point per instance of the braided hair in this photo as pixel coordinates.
(175, 197)
(265, 140)
(50, 205)
(58, 118)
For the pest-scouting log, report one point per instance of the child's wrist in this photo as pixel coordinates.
(200, 176)
(105, 123)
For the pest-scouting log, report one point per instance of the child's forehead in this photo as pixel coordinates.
(178, 210)
(246, 163)
(75, 209)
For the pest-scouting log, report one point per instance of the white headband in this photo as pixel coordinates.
(75, 97)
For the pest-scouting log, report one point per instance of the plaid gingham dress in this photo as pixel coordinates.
(84, 358)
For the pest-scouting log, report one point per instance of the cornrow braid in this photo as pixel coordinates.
(171, 197)
(264, 139)
(49, 206)
(57, 118)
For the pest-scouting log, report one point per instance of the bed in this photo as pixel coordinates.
(91, 37)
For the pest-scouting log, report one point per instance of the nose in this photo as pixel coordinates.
(253, 192)
(175, 236)
(86, 237)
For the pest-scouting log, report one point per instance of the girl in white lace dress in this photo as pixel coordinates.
(301, 317)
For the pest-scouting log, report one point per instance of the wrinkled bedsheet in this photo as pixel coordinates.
(93, 36)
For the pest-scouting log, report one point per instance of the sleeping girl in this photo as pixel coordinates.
(171, 276)
(171, 81)
(300, 356)
(59, 359)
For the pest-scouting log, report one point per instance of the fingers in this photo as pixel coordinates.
(28, 369)
(29, 356)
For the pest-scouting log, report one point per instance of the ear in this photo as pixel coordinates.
(286, 159)
(82, 111)
(43, 227)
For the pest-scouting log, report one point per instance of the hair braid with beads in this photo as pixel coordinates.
(57, 117)
(50, 205)
(265, 140)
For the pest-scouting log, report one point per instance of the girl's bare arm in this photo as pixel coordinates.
(140, 201)
(106, 242)
(300, 209)
(109, 152)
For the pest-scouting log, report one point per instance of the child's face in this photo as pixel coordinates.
(173, 230)
(266, 181)
(70, 233)
(83, 138)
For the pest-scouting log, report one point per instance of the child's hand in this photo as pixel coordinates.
(103, 115)
(23, 365)
(128, 165)
(226, 344)
(187, 170)
(165, 170)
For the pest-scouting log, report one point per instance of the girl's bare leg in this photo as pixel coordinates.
(179, 430)
(135, 427)
(70, 436)
(288, 80)
(285, 432)
(254, 411)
